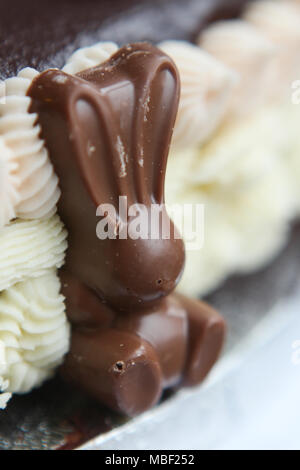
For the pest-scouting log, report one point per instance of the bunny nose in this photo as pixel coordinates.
(143, 272)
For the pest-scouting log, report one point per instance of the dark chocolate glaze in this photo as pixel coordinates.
(43, 33)
(131, 339)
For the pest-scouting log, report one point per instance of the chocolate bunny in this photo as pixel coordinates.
(108, 131)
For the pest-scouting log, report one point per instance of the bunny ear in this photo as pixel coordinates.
(109, 128)
(141, 86)
(157, 88)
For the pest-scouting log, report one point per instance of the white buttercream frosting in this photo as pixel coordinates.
(34, 332)
(243, 177)
(30, 248)
(28, 172)
(243, 48)
(4, 395)
(9, 196)
(279, 21)
(291, 125)
(88, 57)
(206, 91)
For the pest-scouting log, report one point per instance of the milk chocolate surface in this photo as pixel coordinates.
(108, 132)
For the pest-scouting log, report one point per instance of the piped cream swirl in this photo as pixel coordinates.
(206, 90)
(34, 332)
(4, 395)
(31, 185)
(279, 21)
(9, 196)
(241, 47)
(30, 248)
(88, 57)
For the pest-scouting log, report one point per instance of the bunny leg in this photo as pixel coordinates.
(165, 327)
(117, 368)
(206, 334)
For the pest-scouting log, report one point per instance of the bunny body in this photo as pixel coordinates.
(126, 360)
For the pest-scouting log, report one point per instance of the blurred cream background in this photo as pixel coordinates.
(246, 168)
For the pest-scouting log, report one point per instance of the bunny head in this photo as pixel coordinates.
(108, 131)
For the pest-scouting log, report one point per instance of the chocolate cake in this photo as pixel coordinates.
(83, 129)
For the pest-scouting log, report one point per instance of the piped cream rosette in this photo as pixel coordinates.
(4, 395)
(29, 248)
(34, 332)
(88, 57)
(265, 52)
(242, 48)
(9, 195)
(29, 184)
(279, 21)
(207, 87)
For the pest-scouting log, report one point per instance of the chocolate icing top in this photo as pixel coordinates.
(108, 131)
(43, 34)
